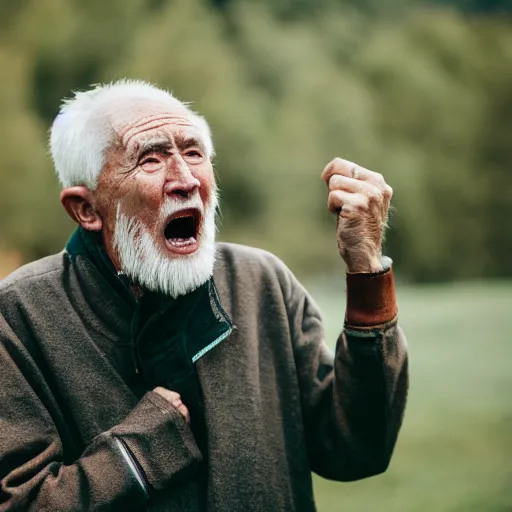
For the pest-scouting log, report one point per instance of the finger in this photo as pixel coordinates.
(182, 408)
(170, 396)
(339, 166)
(175, 400)
(352, 170)
(338, 182)
(341, 199)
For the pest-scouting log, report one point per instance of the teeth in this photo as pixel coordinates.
(180, 242)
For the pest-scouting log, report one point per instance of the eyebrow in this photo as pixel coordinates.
(152, 146)
(185, 142)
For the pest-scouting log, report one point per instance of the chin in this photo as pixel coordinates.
(176, 264)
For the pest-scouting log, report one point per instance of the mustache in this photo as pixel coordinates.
(171, 206)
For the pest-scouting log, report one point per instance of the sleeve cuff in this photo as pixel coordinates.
(371, 299)
(159, 440)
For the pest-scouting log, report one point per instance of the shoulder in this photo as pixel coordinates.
(33, 276)
(253, 269)
(244, 254)
(242, 259)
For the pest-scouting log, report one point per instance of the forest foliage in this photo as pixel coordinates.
(419, 90)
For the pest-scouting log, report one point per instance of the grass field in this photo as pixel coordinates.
(455, 449)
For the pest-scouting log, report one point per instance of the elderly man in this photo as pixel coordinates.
(148, 368)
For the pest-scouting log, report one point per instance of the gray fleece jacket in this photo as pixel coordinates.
(79, 432)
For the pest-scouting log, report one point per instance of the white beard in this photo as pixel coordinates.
(146, 265)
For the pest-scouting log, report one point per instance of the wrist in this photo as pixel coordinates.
(371, 300)
(372, 265)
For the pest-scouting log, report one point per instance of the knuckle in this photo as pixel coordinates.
(333, 195)
(376, 177)
(362, 205)
(333, 180)
(337, 181)
(162, 391)
(375, 194)
(380, 178)
(337, 163)
(388, 191)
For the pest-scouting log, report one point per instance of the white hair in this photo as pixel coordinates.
(145, 264)
(82, 131)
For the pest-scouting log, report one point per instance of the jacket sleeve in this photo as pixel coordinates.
(353, 403)
(150, 449)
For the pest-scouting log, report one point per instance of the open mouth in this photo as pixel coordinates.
(182, 230)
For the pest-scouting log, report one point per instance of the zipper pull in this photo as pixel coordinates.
(136, 363)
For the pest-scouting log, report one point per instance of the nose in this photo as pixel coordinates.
(180, 182)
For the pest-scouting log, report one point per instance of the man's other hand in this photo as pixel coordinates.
(361, 199)
(175, 400)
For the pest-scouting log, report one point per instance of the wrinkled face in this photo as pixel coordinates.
(157, 198)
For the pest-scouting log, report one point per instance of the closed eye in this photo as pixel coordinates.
(150, 160)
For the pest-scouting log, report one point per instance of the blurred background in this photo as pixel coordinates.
(420, 90)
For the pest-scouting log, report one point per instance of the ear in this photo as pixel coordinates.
(78, 204)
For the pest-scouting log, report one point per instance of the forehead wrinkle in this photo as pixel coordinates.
(155, 118)
(127, 137)
(154, 115)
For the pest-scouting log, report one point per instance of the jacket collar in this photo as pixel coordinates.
(206, 323)
(88, 244)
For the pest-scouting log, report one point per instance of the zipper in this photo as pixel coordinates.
(123, 279)
(134, 339)
(134, 466)
(137, 337)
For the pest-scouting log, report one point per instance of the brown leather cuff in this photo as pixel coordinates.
(371, 299)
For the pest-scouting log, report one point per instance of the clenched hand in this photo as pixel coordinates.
(361, 199)
(175, 400)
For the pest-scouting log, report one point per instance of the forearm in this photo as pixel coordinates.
(369, 396)
(375, 343)
(149, 450)
(101, 477)
(360, 413)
